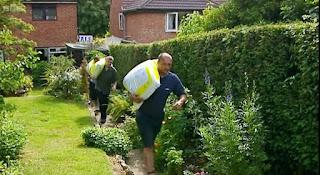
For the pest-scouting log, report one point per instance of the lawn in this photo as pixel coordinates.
(55, 145)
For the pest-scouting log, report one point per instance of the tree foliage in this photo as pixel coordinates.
(250, 12)
(93, 17)
(20, 49)
(9, 24)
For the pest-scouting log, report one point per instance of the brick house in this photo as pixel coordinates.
(55, 23)
(146, 21)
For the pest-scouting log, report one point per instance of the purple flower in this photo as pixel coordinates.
(229, 97)
(207, 79)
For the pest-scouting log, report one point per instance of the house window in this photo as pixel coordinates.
(44, 12)
(46, 53)
(173, 20)
(121, 21)
(43, 55)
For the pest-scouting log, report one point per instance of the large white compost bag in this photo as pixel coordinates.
(98, 68)
(143, 80)
(91, 67)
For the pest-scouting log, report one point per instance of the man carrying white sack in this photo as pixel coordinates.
(106, 83)
(151, 114)
(92, 91)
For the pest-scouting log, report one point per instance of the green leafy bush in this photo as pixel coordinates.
(131, 128)
(90, 135)
(176, 132)
(38, 73)
(89, 55)
(234, 138)
(119, 106)
(11, 77)
(111, 140)
(63, 79)
(10, 168)
(28, 84)
(175, 162)
(12, 138)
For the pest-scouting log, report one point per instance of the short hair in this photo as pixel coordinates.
(164, 54)
(110, 58)
(96, 56)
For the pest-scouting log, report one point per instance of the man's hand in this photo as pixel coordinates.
(113, 88)
(135, 98)
(179, 103)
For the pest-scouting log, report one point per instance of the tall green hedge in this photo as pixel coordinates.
(127, 56)
(283, 61)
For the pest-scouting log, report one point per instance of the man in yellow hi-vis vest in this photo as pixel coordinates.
(93, 92)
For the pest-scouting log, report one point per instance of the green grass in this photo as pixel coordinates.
(36, 91)
(55, 145)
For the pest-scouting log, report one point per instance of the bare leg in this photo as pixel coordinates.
(148, 159)
(95, 104)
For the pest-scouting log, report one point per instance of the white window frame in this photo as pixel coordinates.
(168, 20)
(121, 21)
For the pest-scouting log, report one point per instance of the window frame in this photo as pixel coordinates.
(176, 21)
(43, 8)
(121, 21)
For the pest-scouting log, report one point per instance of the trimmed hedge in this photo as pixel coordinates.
(283, 61)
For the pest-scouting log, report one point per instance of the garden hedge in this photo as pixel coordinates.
(283, 61)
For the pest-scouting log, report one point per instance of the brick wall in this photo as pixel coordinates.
(141, 27)
(147, 27)
(115, 9)
(53, 33)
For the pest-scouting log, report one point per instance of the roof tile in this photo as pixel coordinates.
(133, 5)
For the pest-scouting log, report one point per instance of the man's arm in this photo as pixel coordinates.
(180, 102)
(114, 86)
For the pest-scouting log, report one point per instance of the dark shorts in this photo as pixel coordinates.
(149, 128)
(93, 92)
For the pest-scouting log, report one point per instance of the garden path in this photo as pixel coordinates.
(134, 163)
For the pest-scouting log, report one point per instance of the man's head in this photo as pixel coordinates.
(96, 58)
(164, 63)
(109, 61)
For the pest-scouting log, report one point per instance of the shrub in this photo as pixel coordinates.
(63, 79)
(119, 106)
(10, 168)
(234, 138)
(11, 78)
(111, 140)
(131, 128)
(12, 138)
(176, 132)
(38, 73)
(90, 135)
(90, 54)
(28, 84)
(175, 162)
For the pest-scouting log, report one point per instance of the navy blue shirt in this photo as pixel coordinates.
(154, 105)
